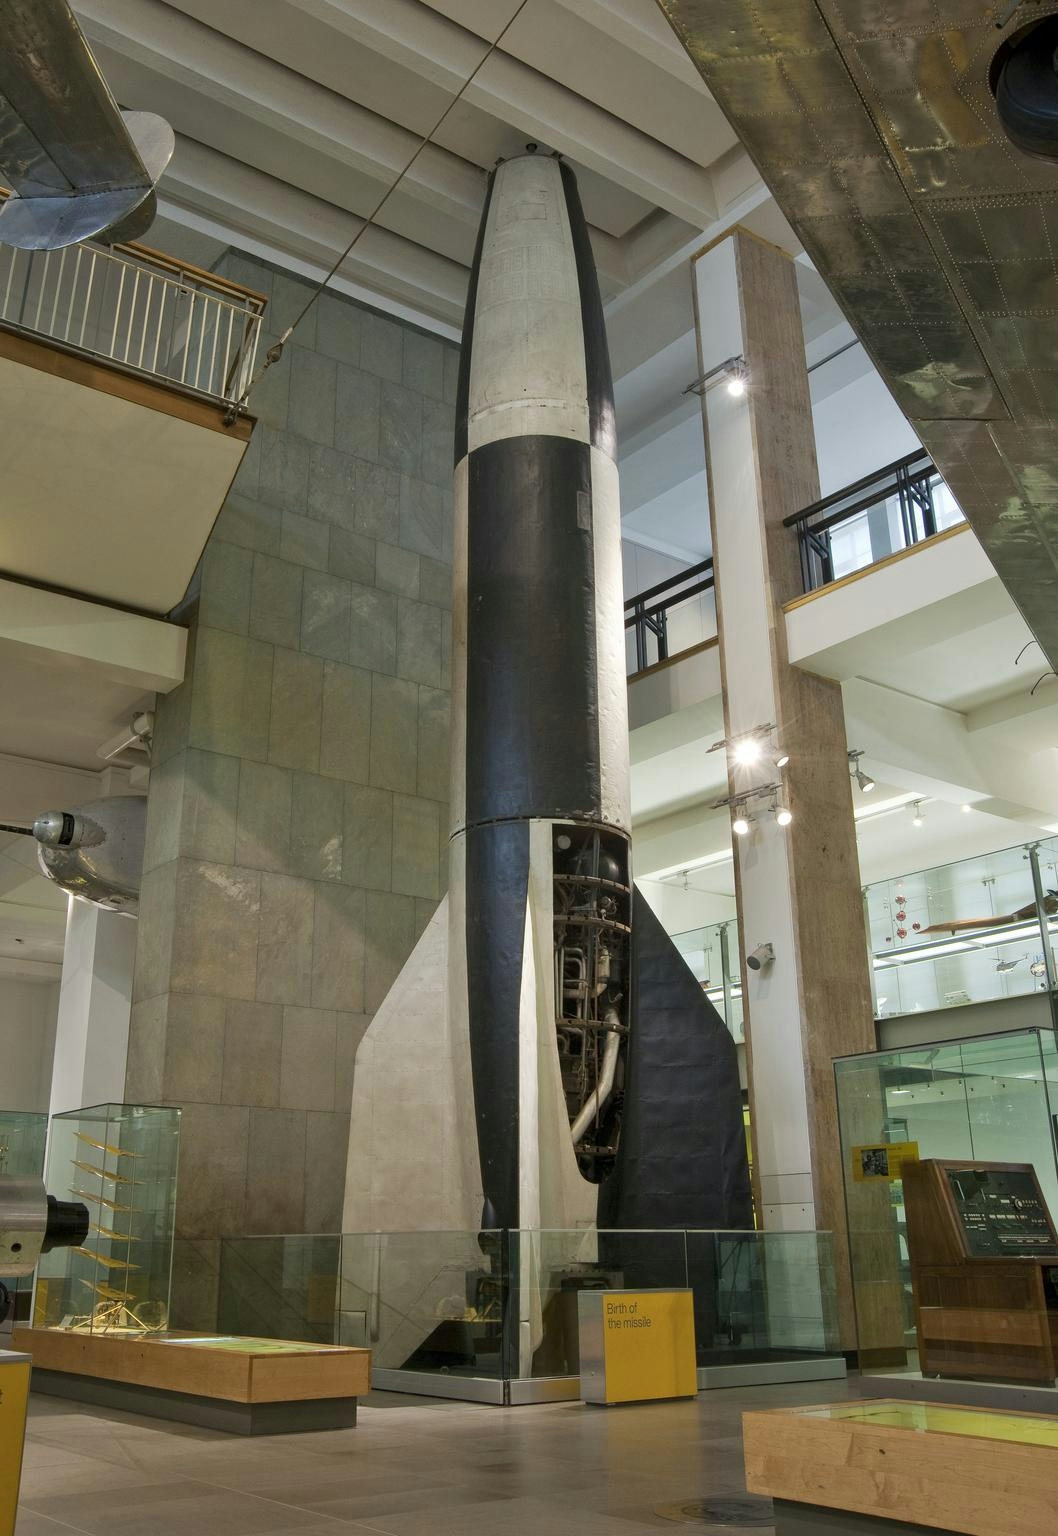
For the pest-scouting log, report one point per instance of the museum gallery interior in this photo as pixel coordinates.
(528, 767)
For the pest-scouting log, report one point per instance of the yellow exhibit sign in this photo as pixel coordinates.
(14, 1395)
(636, 1345)
(883, 1160)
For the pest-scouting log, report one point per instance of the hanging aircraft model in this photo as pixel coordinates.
(79, 167)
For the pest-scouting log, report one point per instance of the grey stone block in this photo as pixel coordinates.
(367, 855)
(195, 1285)
(284, 950)
(284, 477)
(373, 629)
(357, 418)
(424, 364)
(297, 711)
(352, 555)
(381, 346)
(390, 922)
(262, 831)
(154, 933)
(435, 582)
(224, 593)
(250, 524)
(275, 1171)
(215, 935)
(434, 743)
(214, 1147)
(194, 1048)
(307, 1076)
(305, 541)
(451, 374)
(338, 949)
(231, 685)
(416, 839)
(275, 603)
(316, 827)
(210, 803)
(438, 442)
(325, 616)
(332, 487)
(338, 326)
(345, 738)
(253, 1035)
(422, 517)
(419, 642)
(164, 808)
(247, 476)
(424, 911)
(289, 296)
(350, 1030)
(444, 825)
(377, 505)
(400, 429)
(394, 733)
(313, 381)
(397, 570)
(326, 1155)
(145, 1063)
(172, 711)
(446, 653)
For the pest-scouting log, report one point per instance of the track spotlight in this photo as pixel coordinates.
(748, 750)
(740, 826)
(781, 757)
(966, 809)
(917, 820)
(736, 380)
(783, 816)
(864, 780)
(760, 958)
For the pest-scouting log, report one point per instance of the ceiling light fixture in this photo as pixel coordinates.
(864, 780)
(966, 809)
(748, 750)
(740, 826)
(917, 819)
(783, 816)
(731, 371)
(736, 381)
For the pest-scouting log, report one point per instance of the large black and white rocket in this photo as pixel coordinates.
(550, 1058)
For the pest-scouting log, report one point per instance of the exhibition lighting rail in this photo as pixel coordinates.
(911, 481)
(648, 611)
(137, 309)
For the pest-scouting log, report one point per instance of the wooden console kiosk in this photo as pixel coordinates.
(883, 1468)
(984, 1266)
(246, 1386)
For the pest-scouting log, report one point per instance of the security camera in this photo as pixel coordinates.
(1024, 80)
(761, 957)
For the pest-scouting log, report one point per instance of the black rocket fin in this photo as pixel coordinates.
(682, 1160)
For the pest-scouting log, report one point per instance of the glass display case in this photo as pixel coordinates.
(121, 1160)
(23, 1136)
(713, 955)
(989, 1100)
(967, 932)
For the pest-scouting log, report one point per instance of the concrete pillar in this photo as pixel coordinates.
(95, 996)
(297, 821)
(797, 887)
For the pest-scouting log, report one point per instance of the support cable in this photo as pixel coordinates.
(275, 351)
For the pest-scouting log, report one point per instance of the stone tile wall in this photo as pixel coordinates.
(296, 819)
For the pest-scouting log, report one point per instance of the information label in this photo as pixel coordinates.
(14, 1395)
(883, 1160)
(637, 1345)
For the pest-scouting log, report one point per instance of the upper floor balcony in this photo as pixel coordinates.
(119, 370)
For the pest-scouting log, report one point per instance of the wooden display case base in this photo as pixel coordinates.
(245, 1386)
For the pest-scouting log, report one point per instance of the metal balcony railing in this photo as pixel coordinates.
(892, 509)
(650, 615)
(138, 309)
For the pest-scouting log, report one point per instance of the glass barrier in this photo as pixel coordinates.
(23, 1135)
(989, 1103)
(963, 933)
(502, 1306)
(713, 955)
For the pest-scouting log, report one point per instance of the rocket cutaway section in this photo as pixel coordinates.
(540, 748)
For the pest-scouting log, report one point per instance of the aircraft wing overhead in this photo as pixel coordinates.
(81, 168)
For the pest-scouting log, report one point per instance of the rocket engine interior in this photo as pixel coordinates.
(593, 932)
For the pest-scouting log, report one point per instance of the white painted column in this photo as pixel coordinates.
(773, 1011)
(95, 999)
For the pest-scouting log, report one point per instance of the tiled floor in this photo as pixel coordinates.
(411, 1467)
